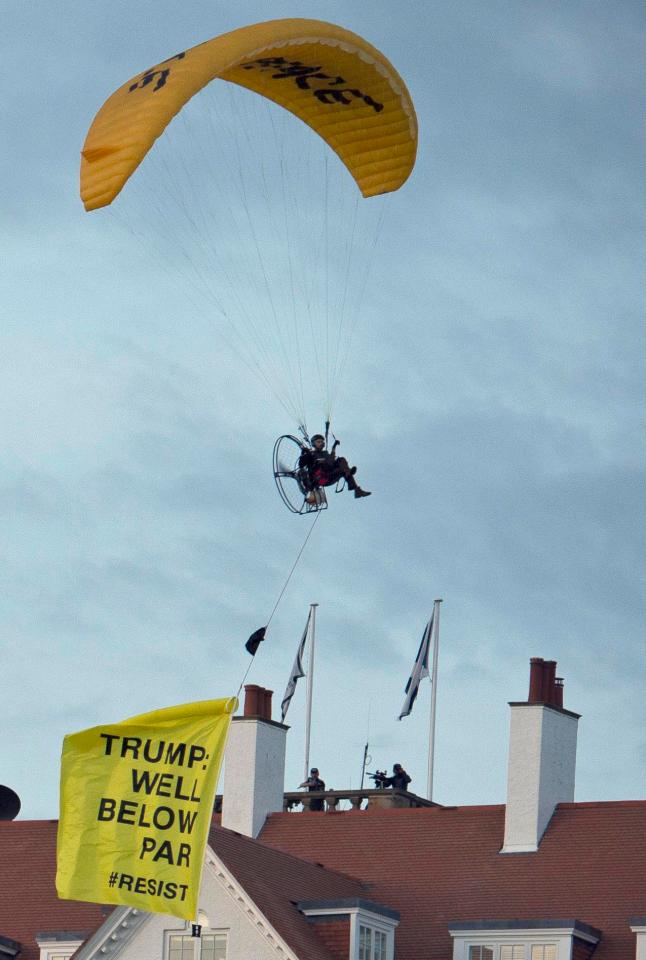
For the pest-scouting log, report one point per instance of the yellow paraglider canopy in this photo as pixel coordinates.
(335, 81)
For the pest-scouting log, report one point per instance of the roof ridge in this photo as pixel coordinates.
(574, 805)
(27, 823)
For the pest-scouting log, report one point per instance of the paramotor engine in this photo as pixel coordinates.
(294, 485)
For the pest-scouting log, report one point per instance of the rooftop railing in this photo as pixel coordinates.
(338, 800)
(335, 800)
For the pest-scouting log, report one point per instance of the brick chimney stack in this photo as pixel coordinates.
(542, 758)
(254, 765)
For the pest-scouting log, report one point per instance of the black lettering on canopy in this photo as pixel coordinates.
(340, 96)
(295, 70)
(148, 78)
(162, 75)
(176, 56)
(265, 62)
(302, 75)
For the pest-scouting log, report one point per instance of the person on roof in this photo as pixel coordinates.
(314, 784)
(399, 779)
(325, 468)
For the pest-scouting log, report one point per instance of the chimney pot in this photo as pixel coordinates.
(558, 692)
(257, 701)
(549, 672)
(252, 697)
(535, 680)
(267, 695)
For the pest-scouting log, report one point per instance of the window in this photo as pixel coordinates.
(544, 951)
(181, 948)
(365, 943)
(214, 946)
(372, 944)
(380, 945)
(513, 951)
(210, 946)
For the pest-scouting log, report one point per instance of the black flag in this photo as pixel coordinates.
(254, 641)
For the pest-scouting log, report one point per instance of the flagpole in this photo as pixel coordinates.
(431, 732)
(310, 678)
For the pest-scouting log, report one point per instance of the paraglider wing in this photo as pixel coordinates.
(332, 79)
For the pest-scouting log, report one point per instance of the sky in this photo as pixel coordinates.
(493, 402)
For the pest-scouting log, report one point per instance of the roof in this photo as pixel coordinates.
(439, 865)
(277, 881)
(434, 865)
(29, 904)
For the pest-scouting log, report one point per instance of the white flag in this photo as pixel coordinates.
(297, 672)
(419, 671)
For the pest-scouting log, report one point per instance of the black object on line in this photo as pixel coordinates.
(254, 641)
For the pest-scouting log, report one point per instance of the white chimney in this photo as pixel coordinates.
(542, 759)
(254, 765)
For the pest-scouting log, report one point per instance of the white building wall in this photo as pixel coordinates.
(248, 939)
(254, 774)
(541, 771)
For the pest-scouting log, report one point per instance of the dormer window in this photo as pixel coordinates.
(58, 946)
(523, 939)
(366, 929)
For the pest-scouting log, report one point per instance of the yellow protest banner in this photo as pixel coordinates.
(136, 803)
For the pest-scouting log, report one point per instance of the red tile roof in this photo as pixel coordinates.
(29, 903)
(277, 881)
(432, 864)
(438, 864)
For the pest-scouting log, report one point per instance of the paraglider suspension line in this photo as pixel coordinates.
(280, 595)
